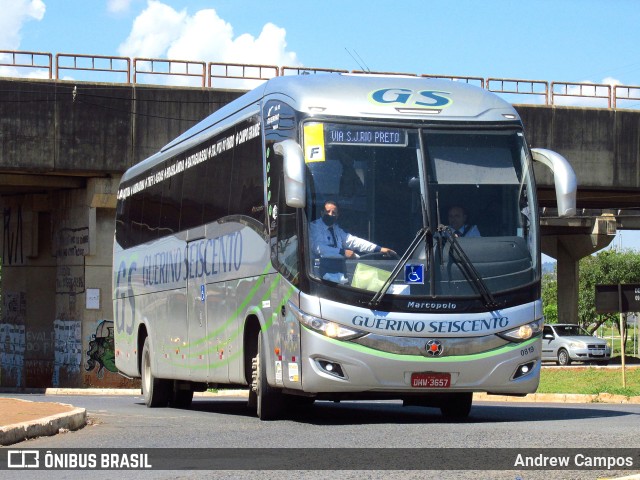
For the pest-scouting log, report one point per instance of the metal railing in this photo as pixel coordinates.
(93, 63)
(308, 71)
(240, 71)
(477, 81)
(580, 90)
(214, 74)
(28, 60)
(623, 93)
(177, 68)
(519, 87)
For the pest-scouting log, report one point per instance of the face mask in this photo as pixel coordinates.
(328, 220)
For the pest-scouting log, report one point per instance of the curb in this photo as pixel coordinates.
(559, 398)
(138, 392)
(74, 419)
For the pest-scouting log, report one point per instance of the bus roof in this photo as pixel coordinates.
(360, 95)
(389, 96)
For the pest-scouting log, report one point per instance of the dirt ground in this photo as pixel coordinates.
(13, 410)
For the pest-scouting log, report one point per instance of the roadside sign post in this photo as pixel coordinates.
(622, 322)
(620, 298)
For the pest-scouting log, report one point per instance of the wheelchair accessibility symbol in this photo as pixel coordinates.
(414, 274)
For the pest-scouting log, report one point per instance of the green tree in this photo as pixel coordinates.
(550, 297)
(607, 267)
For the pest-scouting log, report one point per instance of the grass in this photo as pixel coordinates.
(590, 380)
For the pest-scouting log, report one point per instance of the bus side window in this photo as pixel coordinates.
(285, 252)
(151, 212)
(193, 189)
(218, 187)
(123, 226)
(247, 185)
(171, 198)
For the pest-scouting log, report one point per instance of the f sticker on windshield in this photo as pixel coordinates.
(314, 142)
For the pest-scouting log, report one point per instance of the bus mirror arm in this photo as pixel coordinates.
(564, 179)
(294, 172)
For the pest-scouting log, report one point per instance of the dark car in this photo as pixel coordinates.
(566, 343)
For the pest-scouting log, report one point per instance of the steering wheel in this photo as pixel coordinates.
(380, 256)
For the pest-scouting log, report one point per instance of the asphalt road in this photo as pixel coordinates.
(124, 422)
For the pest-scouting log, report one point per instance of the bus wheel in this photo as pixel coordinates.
(154, 390)
(268, 399)
(458, 406)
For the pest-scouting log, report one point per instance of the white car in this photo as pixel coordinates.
(565, 343)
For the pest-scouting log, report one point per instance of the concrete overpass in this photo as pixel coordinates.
(64, 145)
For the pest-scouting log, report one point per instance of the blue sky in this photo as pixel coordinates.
(566, 40)
(592, 41)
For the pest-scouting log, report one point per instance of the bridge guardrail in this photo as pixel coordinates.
(208, 74)
(308, 70)
(16, 61)
(93, 63)
(632, 94)
(164, 67)
(240, 71)
(519, 87)
(580, 90)
(477, 81)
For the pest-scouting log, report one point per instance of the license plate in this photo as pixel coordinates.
(597, 353)
(430, 380)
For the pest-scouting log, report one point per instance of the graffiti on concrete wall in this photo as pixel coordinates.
(101, 356)
(68, 352)
(69, 279)
(13, 339)
(12, 235)
(72, 242)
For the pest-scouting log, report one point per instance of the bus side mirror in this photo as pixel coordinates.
(564, 179)
(294, 172)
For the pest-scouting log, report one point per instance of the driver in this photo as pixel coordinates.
(328, 239)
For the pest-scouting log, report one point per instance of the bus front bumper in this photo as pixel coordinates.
(333, 366)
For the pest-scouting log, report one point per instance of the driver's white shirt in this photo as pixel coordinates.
(321, 240)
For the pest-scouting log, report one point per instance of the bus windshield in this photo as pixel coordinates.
(420, 211)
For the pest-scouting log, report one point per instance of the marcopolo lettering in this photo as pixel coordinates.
(455, 326)
(431, 306)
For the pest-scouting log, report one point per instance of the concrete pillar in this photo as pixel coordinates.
(568, 283)
(569, 240)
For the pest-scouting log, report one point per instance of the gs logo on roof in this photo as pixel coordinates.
(423, 99)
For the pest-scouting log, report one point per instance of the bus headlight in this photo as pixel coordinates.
(523, 332)
(325, 327)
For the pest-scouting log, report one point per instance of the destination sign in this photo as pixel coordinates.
(365, 135)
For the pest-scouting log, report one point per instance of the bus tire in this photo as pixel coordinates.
(154, 390)
(457, 406)
(269, 401)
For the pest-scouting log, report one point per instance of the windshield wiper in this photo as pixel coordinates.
(469, 271)
(422, 233)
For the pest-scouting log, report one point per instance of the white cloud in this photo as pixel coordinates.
(14, 14)
(118, 6)
(163, 32)
(611, 81)
(153, 31)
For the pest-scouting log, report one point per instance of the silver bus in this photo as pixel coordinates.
(219, 278)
